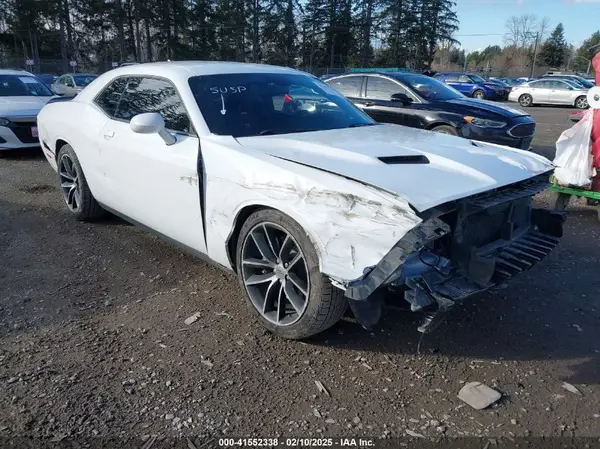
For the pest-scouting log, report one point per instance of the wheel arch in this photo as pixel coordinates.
(437, 123)
(58, 145)
(244, 213)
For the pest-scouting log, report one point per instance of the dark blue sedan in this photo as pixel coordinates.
(473, 85)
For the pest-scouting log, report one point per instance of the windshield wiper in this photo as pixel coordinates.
(358, 125)
(271, 132)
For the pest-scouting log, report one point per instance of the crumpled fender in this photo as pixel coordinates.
(353, 226)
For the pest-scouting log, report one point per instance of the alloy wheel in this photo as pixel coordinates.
(582, 103)
(525, 100)
(275, 274)
(69, 183)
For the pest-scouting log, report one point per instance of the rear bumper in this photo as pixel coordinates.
(470, 269)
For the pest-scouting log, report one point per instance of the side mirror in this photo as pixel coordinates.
(151, 123)
(402, 98)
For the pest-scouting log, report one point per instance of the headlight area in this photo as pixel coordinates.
(460, 249)
(4, 121)
(484, 123)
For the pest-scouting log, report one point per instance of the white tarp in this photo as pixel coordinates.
(573, 160)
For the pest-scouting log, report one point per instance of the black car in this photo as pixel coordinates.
(420, 101)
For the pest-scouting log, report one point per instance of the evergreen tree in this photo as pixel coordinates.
(555, 48)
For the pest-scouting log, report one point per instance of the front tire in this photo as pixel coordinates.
(445, 129)
(479, 94)
(581, 102)
(526, 100)
(74, 187)
(278, 269)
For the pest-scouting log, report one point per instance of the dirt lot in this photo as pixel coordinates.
(93, 340)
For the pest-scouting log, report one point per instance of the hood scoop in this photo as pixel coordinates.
(404, 160)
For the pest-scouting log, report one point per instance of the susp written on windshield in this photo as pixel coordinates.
(228, 90)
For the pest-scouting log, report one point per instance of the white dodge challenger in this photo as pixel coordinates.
(272, 174)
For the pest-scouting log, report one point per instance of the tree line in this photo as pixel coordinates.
(527, 37)
(298, 33)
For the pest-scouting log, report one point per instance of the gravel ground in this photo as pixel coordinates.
(93, 340)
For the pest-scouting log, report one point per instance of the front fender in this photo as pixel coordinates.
(353, 226)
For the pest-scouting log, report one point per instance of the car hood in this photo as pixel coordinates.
(456, 167)
(21, 106)
(473, 105)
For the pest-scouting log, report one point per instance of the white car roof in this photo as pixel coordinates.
(196, 68)
(177, 71)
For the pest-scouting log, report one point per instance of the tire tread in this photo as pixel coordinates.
(90, 209)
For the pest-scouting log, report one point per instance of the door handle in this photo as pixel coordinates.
(109, 134)
(369, 103)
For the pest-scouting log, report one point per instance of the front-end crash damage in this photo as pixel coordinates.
(461, 248)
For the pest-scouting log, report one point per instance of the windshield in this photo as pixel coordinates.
(430, 88)
(22, 86)
(249, 104)
(477, 78)
(574, 83)
(84, 80)
(585, 83)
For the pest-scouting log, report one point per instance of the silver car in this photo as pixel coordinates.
(71, 84)
(550, 91)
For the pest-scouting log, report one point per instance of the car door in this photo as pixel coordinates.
(453, 81)
(540, 91)
(560, 93)
(59, 86)
(148, 181)
(378, 100)
(69, 86)
(466, 84)
(349, 86)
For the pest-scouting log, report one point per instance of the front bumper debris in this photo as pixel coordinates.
(472, 266)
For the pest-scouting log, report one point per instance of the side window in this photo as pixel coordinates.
(379, 88)
(153, 95)
(452, 79)
(348, 86)
(465, 79)
(541, 85)
(108, 99)
(559, 85)
(61, 80)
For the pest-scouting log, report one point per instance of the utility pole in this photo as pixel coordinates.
(590, 60)
(535, 49)
(465, 64)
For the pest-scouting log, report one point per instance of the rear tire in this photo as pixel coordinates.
(445, 129)
(479, 94)
(581, 102)
(526, 100)
(266, 283)
(74, 187)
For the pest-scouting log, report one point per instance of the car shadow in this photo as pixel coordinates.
(22, 154)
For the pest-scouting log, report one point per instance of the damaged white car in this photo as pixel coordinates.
(270, 173)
